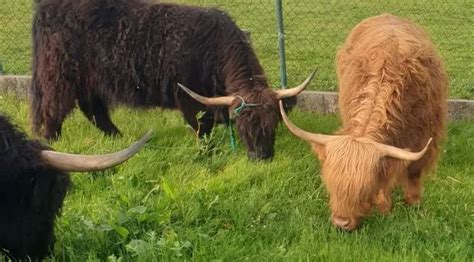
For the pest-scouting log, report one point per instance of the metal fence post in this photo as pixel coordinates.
(281, 42)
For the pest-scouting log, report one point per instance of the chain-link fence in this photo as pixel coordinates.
(15, 36)
(313, 32)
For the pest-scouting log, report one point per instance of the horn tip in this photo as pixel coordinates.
(429, 142)
(149, 134)
(313, 74)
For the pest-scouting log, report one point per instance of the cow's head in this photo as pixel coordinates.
(353, 170)
(255, 114)
(34, 182)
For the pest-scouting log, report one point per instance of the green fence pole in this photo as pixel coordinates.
(281, 43)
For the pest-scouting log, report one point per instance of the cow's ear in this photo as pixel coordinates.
(319, 150)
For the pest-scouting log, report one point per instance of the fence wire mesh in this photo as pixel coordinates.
(313, 32)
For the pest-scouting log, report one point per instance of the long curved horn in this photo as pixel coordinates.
(282, 93)
(83, 163)
(310, 137)
(209, 101)
(403, 154)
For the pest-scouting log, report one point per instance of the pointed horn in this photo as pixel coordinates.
(402, 154)
(283, 93)
(310, 137)
(209, 101)
(83, 163)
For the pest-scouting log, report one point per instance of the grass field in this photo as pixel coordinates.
(178, 201)
(314, 30)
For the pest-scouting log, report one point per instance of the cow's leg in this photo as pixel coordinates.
(388, 179)
(51, 112)
(97, 112)
(52, 129)
(383, 200)
(202, 126)
(190, 108)
(412, 186)
(206, 123)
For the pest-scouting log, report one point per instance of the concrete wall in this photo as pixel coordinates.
(316, 101)
(326, 103)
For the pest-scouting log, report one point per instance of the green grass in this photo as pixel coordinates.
(314, 31)
(176, 201)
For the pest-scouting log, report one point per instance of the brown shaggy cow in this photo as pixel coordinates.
(134, 52)
(392, 99)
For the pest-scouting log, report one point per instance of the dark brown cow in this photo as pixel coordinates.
(33, 184)
(393, 99)
(102, 53)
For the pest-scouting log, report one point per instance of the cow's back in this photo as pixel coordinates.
(127, 52)
(392, 84)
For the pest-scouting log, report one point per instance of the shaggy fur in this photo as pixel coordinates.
(31, 195)
(133, 52)
(392, 90)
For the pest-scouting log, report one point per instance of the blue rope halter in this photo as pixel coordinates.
(234, 114)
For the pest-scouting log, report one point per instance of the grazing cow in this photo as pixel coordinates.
(133, 52)
(33, 184)
(392, 99)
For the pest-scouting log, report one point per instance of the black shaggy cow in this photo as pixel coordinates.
(101, 53)
(33, 184)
